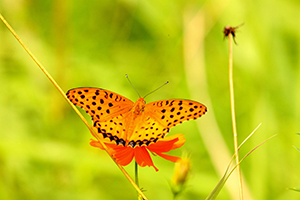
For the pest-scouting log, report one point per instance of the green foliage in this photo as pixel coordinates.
(44, 147)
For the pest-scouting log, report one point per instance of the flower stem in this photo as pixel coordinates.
(233, 118)
(136, 170)
(136, 174)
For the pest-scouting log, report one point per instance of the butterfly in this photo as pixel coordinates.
(127, 123)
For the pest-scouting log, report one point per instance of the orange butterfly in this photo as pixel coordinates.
(133, 124)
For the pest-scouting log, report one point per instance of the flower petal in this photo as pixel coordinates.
(179, 143)
(110, 147)
(143, 158)
(168, 157)
(123, 155)
(97, 144)
(167, 144)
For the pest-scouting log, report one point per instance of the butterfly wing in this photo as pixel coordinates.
(159, 116)
(106, 108)
(174, 111)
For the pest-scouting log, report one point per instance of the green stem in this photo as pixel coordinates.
(136, 175)
(233, 118)
(136, 167)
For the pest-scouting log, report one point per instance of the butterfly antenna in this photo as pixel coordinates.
(157, 88)
(132, 85)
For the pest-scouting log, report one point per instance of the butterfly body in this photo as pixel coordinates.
(126, 123)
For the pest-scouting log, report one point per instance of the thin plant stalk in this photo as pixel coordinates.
(213, 195)
(136, 173)
(71, 104)
(236, 166)
(136, 176)
(233, 118)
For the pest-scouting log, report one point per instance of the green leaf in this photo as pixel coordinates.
(296, 148)
(295, 189)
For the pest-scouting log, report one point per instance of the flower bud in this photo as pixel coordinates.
(181, 174)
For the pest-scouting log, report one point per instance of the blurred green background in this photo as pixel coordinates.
(44, 146)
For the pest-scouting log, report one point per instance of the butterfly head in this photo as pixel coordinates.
(139, 106)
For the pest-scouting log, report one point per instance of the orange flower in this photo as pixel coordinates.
(124, 155)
